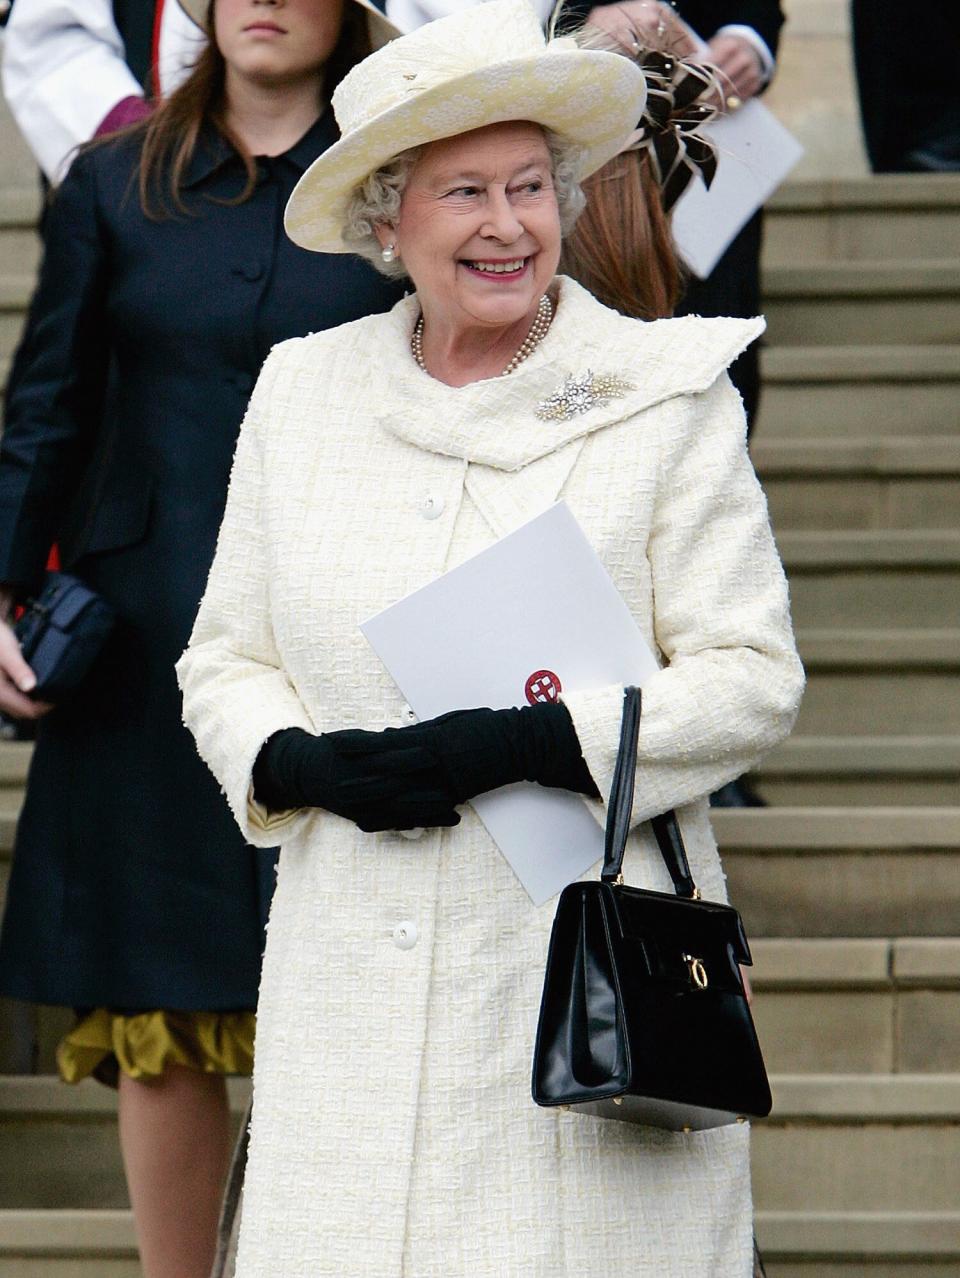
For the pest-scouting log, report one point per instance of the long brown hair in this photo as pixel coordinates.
(171, 134)
(621, 248)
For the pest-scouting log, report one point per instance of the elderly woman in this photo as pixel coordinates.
(393, 1131)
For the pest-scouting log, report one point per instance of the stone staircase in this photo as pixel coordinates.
(849, 882)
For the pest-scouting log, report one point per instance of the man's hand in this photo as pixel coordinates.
(739, 67)
(643, 24)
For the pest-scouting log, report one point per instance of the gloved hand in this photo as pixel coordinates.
(479, 750)
(402, 778)
(338, 771)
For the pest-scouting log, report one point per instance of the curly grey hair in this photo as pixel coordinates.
(377, 199)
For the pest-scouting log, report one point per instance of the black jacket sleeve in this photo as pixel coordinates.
(706, 16)
(54, 406)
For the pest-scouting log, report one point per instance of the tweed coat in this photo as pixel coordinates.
(393, 1131)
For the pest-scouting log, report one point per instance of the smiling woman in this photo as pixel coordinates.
(478, 231)
(393, 1133)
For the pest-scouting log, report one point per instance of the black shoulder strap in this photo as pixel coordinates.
(666, 828)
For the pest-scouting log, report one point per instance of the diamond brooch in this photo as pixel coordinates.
(580, 394)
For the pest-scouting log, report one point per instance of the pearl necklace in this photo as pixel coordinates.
(538, 331)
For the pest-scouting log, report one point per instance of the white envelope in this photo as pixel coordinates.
(755, 152)
(538, 600)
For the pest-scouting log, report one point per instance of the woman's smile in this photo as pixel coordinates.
(498, 270)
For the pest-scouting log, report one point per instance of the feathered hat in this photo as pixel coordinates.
(487, 64)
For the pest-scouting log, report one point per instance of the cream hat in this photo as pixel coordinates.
(484, 65)
(380, 30)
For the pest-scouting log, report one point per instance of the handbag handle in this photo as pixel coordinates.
(666, 828)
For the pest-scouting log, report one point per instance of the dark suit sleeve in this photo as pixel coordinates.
(705, 16)
(765, 16)
(54, 405)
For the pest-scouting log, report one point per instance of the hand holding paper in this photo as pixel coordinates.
(533, 614)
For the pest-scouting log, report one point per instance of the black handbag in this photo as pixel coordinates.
(644, 1015)
(61, 633)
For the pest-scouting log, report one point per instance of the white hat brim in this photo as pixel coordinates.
(591, 99)
(381, 30)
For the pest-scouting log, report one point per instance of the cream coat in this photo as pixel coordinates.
(393, 1134)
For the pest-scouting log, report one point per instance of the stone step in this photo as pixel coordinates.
(858, 1006)
(859, 1143)
(873, 579)
(843, 872)
(868, 1244)
(857, 456)
(866, 219)
(58, 1143)
(868, 703)
(795, 1244)
(881, 548)
(863, 650)
(862, 772)
(20, 243)
(858, 391)
(67, 1244)
(14, 762)
(856, 303)
(860, 486)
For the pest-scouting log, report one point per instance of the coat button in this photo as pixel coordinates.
(415, 833)
(432, 507)
(405, 935)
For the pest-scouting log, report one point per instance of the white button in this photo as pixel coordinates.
(405, 935)
(415, 833)
(408, 713)
(432, 507)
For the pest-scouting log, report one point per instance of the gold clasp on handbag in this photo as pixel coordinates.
(698, 973)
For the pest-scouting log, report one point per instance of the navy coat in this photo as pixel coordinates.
(131, 885)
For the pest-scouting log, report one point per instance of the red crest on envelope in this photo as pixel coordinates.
(543, 685)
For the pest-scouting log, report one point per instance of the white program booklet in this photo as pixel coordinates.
(532, 614)
(755, 152)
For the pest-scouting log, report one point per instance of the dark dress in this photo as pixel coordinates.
(131, 886)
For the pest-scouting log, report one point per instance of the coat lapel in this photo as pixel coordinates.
(498, 424)
(508, 500)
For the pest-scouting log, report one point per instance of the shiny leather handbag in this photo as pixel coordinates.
(61, 633)
(644, 1015)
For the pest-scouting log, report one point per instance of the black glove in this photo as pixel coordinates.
(339, 771)
(479, 750)
(402, 778)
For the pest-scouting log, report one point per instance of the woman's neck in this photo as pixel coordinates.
(269, 119)
(459, 354)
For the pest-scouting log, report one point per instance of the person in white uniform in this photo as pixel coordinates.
(393, 1131)
(67, 73)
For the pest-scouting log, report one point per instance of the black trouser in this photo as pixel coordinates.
(908, 77)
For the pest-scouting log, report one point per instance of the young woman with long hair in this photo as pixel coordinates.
(167, 278)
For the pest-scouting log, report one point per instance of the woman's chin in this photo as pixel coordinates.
(502, 303)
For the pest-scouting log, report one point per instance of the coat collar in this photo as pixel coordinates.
(494, 422)
(213, 150)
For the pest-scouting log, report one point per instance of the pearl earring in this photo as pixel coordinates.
(389, 254)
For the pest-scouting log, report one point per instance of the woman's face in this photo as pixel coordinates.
(276, 42)
(479, 230)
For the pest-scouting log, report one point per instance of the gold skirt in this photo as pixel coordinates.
(104, 1043)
